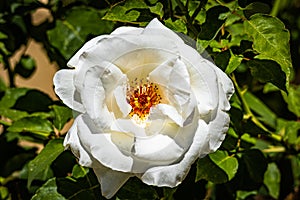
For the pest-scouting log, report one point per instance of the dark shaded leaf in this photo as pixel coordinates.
(256, 164)
(218, 167)
(268, 71)
(25, 67)
(61, 115)
(135, 189)
(48, 191)
(86, 187)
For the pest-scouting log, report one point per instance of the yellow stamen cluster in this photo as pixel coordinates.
(141, 98)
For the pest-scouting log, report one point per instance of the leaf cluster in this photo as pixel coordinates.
(255, 42)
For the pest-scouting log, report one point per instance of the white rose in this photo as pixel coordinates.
(149, 105)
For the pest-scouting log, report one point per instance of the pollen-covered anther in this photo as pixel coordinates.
(141, 98)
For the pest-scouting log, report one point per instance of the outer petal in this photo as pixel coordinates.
(110, 181)
(127, 30)
(64, 87)
(73, 142)
(172, 175)
(73, 62)
(155, 27)
(101, 147)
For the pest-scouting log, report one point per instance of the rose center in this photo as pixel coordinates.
(142, 97)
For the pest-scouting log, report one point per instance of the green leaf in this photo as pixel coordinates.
(178, 25)
(61, 115)
(4, 193)
(11, 96)
(272, 180)
(234, 62)
(79, 171)
(270, 40)
(48, 191)
(13, 114)
(293, 99)
(218, 167)
(126, 12)
(266, 115)
(157, 9)
(40, 165)
(78, 23)
(228, 164)
(36, 125)
(256, 164)
(135, 189)
(26, 66)
(256, 7)
(268, 71)
(86, 187)
(289, 130)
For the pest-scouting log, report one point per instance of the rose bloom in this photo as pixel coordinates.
(147, 104)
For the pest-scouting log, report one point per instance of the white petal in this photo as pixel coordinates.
(72, 141)
(100, 80)
(205, 87)
(172, 175)
(120, 96)
(217, 129)
(167, 110)
(101, 147)
(128, 126)
(73, 62)
(158, 149)
(173, 77)
(93, 97)
(64, 87)
(155, 27)
(226, 89)
(110, 181)
(127, 30)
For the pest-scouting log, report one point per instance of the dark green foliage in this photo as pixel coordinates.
(255, 42)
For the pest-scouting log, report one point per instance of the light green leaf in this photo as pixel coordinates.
(268, 71)
(79, 171)
(266, 115)
(270, 40)
(4, 193)
(272, 180)
(293, 99)
(218, 167)
(228, 164)
(48, 191)
(26, 66)
(157, 9)
(288, 129)
(13, 114)
(40, 165)
(36, 125)
(178, 25)
(125, 12)
(61, 115)
(11, 96)
(234, 62)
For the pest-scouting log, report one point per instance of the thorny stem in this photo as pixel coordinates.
(250, 115)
